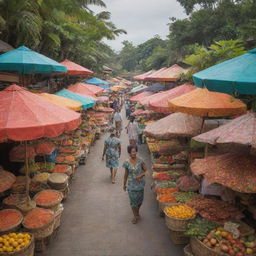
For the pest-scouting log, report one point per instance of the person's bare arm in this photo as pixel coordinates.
(104, 152)
(144, 167)
(125, 179)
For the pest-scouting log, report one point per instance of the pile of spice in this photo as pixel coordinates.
(9, 218)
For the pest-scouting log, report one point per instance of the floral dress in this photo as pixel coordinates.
(112, 153)
(135, 187)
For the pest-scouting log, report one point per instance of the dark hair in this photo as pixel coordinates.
(131, 147)
(132, 118)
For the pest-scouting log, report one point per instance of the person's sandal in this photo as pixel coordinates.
(134, 220)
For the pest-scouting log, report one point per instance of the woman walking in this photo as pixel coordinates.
(112, 150)
(135, 170)
(132, 130)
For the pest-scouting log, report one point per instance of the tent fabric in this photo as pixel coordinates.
(103, 99)
(151, 76)
(138, 88)
(25, 61)
(140, 96)
(145, 101)
(237, 75)
(27, 116)
(241, 130)
(202, 102)
(96, 81)
(142, 77)
(75, 69)
(159, 103)
(86, 102)
(81, 89)
(174, 125)
(94, 88)
(235, 171)
(62, 101)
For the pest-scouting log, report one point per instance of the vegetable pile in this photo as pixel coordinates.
(180, 212)
(183, 197)
(166, 184)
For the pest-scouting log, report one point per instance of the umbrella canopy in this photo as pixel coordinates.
(241, 130)
(154, 88)
(142, 77)
(202, 102)
(235, 171)
(103, 99)
(96, 81)
(27, 116)
(141, 112)
(140, 96)
(81, 89)
(62, 101)
(159, 103)
(26, 61)
(95, 89)
(151, 76)
(234, 75)
(86, 102)
(138, 88)
(113, 80)
(174, 125)
(75, 69)
(145, 101)
(172, 73)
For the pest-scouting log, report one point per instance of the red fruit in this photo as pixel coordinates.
(231, 252)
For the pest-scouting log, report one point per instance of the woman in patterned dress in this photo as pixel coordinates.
(112, 150)
(134, 183)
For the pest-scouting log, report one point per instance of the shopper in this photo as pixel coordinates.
(118, 122)
(112, 150)
(134, 182)
(132, 130)
(127, 109)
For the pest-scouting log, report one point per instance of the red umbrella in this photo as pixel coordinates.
(235, 171)
(27, 116)
(81, 89)
(94, 88)
(241, 130)
(159, 103)
(140, 96)
(75, 69)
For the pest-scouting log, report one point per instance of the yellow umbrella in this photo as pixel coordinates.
(62, 101)
(115, 88)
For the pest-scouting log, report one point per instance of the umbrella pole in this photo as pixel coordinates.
(206, 150)
(202, 126)
(27, 172)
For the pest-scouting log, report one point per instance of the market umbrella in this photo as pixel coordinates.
(205, 103)
(150, 77)
(237, 75)
(96, 81)
(159, 103)
(94, 88)
(241, 130)
(26, 116)
(141, 112)
(87, 102)
(145, 101)
(25, 61)
(75, 69)
(138, 88)
(62, 101)
(172, 73)
(81, 89)
(154, 88)
(142, 77)
(236, 171)
(174, 125)
(103, 99)
(140, 96)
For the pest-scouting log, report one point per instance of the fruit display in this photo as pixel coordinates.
(166, 190)
(166, 198)
(48, 197)
(215, 210)
(183, 197)
(14, 242)
(9, 218)
(168, 175)
(223, 241)
(180, 212)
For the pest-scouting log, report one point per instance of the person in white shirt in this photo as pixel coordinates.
(132, 130)
(118, 122)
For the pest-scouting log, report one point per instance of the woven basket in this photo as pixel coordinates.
(188, 251)
(178, 237)
(65, 192)
(14, 227)
(57, 217)
(58, 181)
(199, 249)
(26, 251)
(162, 205)
(176, 224)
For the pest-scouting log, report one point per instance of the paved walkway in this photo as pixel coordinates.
(97, 218)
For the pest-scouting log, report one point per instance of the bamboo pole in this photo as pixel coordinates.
(27, 172)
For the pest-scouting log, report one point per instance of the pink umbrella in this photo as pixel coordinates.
(140, 96)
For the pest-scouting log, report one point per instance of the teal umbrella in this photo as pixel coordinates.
(86, 102)
(138, 88)
(237, 75)
(25, 61)
(96, 81)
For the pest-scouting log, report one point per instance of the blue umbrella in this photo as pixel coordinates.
(231, 76)
(96, 81)
(138, 88)
(26, 61)
(86, 102)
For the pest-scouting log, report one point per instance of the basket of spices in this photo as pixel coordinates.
(58, 181)
(62, 168)
(10, 220)
(13, 200)
(40, 222)
(57, 216)
(20, 185)
(178, 216)
(17, 244)
(41, 177)
(49, 199)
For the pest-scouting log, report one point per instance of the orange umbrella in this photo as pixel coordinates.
(205, 103)
(75, 69)
(81, 89)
